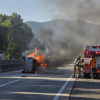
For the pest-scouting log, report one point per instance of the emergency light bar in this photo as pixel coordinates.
(87, 52)
(97, 52)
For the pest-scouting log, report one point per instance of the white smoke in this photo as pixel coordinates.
(87, 10)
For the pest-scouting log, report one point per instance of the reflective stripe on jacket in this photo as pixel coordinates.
(80, 64)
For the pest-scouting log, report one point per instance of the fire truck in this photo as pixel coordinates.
(88, 52)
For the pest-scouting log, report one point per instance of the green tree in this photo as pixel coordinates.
(3, 39)
(16, 34)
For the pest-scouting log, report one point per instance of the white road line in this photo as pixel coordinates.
(10, 82)
(61, 90)
(13, 81)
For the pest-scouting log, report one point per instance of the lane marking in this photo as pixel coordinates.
(13, 81)
(62, 88)
(10, 82)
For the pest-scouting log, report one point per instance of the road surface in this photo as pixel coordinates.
(41, 86)
(86, 89)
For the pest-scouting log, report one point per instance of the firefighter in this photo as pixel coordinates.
(78, 67)
(75, 63)
(92, 62)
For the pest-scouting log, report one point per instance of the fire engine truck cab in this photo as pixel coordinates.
(88, 52)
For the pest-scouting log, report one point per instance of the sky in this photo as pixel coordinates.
(30, 10)
(46, 10)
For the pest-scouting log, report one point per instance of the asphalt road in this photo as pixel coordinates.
(45, 86)
(86, 89)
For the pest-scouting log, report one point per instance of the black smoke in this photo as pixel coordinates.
(67, 38)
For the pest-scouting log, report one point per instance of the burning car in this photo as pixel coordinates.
(33, 61)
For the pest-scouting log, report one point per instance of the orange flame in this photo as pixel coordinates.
(35, 71)
(40, 59)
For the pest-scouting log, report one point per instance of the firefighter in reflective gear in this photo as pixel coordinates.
(78, 68)
(75, 63)
(92, 62)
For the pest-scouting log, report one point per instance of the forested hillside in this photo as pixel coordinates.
(66, 38)
(15, 35)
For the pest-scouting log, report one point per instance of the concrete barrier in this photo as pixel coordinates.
(9, 65)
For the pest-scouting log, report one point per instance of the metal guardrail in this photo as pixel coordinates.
(9, 65)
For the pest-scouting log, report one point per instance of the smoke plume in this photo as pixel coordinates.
(67, 38)
(87, 10)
